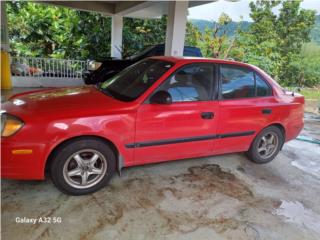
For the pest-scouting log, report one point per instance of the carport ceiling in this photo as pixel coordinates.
(135, 9)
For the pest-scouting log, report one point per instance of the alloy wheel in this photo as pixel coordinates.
(268, 145)
(84, 168)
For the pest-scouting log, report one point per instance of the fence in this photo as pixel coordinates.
(47, 72)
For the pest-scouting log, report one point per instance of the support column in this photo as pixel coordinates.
(5, 62)
(116, 36)
(176, 28)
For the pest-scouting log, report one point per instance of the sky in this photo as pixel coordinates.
(235, 10)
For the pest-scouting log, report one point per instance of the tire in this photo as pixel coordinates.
(82, 166)
(261, 149)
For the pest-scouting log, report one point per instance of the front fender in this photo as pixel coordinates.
(117, 129)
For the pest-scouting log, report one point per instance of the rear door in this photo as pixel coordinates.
(246, 106)
(186, 128)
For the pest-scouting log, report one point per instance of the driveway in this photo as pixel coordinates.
(221, 197)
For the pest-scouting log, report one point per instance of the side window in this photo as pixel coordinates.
(191, 83)
(263, 89)
(236, 82)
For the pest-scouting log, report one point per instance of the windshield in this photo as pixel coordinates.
(132, 82)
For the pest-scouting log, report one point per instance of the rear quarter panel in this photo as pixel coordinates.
(289, 107)
(293, 113)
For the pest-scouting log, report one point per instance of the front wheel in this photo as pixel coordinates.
(266, 145)
(82, 166)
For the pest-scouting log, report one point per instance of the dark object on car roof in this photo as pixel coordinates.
(110, 67)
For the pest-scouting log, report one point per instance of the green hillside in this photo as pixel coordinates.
(231, 27)
(244, 25)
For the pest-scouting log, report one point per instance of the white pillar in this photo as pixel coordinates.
(176, 28)
(116, 36)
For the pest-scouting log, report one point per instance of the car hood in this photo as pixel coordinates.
(62, 103)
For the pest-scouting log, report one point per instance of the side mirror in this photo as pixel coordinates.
(161, 97)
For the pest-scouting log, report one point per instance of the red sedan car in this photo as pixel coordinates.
(160, 109)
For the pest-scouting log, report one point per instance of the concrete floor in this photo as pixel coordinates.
(221, 197)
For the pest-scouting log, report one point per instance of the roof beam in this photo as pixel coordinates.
(198, 3)
(127, 7)
(90, 6)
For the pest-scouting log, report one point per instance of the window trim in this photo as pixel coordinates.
(213, 95)
(220, 98)
(265, 81)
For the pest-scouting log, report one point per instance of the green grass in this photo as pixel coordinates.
(308, 93)
(311, 93)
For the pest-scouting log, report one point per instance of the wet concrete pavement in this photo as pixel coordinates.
(221, 197)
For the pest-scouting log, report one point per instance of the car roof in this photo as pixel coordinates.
(199, 59)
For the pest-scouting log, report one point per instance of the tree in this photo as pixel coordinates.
(215, 42)
(41, 31)
(37, 30)
(140, 33)
(192, 35)
(274, 42)
(293, 28)
(315, 32)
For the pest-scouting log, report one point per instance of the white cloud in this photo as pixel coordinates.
(212, 11)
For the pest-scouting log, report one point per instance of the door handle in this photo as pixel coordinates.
(266, 111)
(207, 115)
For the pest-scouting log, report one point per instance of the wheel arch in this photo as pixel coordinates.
(281, 127)
(53, 152)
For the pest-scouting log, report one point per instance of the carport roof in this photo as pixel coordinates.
(135, 9)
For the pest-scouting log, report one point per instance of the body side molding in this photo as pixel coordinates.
(188, 139)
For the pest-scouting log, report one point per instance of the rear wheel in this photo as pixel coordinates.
(82, 166)
(266, 145)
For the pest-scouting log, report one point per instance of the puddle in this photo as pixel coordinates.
(295, 212)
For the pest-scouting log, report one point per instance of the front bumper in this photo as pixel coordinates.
(22, 161)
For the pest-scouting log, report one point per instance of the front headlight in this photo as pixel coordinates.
(93, 65)
(10, 125)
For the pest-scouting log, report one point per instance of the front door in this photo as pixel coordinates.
(185, 128)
